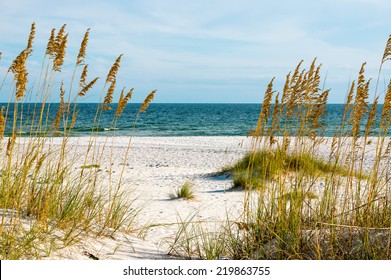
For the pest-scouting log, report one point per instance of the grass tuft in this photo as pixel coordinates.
(255, 169)
(185, 191)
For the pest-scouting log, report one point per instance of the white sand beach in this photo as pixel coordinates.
(156, 166)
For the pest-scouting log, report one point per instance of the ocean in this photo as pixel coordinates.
(163, 119)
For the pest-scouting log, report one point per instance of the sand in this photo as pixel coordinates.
(155, 167)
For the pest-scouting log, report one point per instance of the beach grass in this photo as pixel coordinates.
(257, 168)
(298, 205)
(46, 201)
(185, 191)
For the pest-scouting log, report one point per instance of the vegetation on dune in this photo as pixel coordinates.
(257, 168)
(298, 202)
(46, 201)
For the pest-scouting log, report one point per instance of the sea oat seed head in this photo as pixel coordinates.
(60, 36)
(386, 111)
(83, 76)
(10, 144)
(73, 121)
(109, 96)
(129, 94)
(2, 122)
(123, 101)
(87, 87)
(60, 110)
(113, 71)
(50, 48)
(18, 68)
(360, 105)
(31, 39)
(121, 104)
(147, 100)
(264, 114)
(387, 50)
(60, 54)
(82, 51)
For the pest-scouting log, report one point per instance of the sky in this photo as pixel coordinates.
(205, 51)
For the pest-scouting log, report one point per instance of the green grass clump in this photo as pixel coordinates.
(185, 191)
(256, 168)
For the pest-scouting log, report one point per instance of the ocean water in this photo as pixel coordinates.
(165, 119)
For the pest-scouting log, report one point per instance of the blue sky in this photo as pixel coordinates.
(205, 50)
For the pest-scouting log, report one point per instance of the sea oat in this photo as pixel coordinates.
(334, 144)
(387, 151)
(371, 118)
(317, 114)
(296, 74)
(387, 50)
(264, 114)
(386, 111)
(51, 46)
(2, 122)
(286, 90)
(120, 104)
(146, 102)
(347, 107)
(59, 37)
(360, 106)
(123, 101)
(128, 96)
(83, 77)
(109, 96)
(316, 80)
(73, 121)
(286, 141)
(350, 95)
(311, 81)
(60, 53)
(275, 121)
(87, 87)
(18, 68)
(113, 71)
(82, 50)
(31, 39)
(10, 144)
(60, 110)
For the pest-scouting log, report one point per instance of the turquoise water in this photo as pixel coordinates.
(168, 119)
